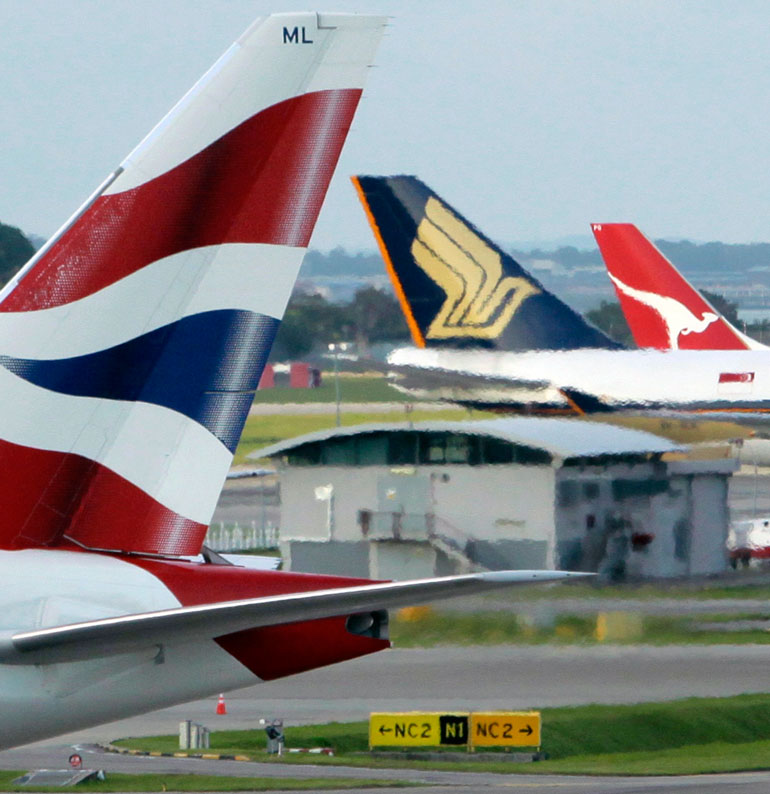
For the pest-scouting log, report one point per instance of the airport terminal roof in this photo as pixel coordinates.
(562, 438)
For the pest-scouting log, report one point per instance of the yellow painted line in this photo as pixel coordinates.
(181, 755)
(211, 756)
(242, 758)
(155, 753)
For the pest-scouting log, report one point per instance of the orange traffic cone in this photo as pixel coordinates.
(221, 708)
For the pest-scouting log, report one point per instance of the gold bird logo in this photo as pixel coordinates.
(480, 301)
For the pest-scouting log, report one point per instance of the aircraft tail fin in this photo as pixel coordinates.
(663, 309)
(455, 286)
(133, 342)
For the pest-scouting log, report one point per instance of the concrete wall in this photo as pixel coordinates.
(518, 500)
(709, 524)
(303, 517)
(667, 518)
(392, 560)
(511, 516)
(496, 502)
(673, 524)
(341, 559)
(588, 512)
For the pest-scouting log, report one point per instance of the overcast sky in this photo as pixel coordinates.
(533, 118)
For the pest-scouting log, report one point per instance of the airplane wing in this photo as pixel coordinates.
(126, 633)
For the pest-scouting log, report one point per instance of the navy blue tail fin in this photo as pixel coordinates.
(455, 286)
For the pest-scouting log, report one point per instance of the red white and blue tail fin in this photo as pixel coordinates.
(132, 344)
(662, 308)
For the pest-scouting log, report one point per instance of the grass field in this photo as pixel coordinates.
(353, 389)
(680, 588)
(731, 586)
(680, 737)
(430, 629)
(260, 431)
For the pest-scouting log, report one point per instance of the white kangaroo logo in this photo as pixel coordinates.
(677, 318)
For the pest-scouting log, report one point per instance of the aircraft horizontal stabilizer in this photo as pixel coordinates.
(112, 636)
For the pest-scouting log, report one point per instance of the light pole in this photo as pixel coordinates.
(335, 350)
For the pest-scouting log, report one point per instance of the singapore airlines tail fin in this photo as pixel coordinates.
(132, 344)
(662, 308)
(455, 286)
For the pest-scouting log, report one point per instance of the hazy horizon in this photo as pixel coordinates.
(532, 118)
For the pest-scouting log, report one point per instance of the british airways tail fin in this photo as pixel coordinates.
(455, 286)
(663, 309)
(132, 344)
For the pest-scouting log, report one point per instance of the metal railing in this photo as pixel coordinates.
(234, 537)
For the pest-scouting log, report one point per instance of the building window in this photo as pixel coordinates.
(496, 451)
(432, 448)
(567, 493)
(306, 455)
(629, 489)
(402, 448)
(682, 539)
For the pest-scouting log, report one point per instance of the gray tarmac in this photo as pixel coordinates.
(446, 678)
(438, 781)
(496, 677)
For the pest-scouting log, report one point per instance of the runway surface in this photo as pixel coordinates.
(497, 677)
(449, 678)
(437, 780)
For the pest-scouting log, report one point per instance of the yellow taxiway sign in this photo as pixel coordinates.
(505, 729)
(417, 729)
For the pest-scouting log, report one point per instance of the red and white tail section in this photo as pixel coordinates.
(132, 344)
(663, 309)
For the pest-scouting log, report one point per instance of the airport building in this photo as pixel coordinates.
(399, 501)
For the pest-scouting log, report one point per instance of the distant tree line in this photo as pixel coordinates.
(312, 322)
(15, 250)
(691, 258)
(696, 259)
(374, 316)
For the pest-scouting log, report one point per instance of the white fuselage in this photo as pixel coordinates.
(619, 378)
(42, 588)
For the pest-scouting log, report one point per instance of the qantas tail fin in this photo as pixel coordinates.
(455, 286)
(662, 308)
(132, 344)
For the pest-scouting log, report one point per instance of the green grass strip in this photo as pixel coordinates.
(432, 629)
(353, 389)
(678, 737)
(690, 759)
